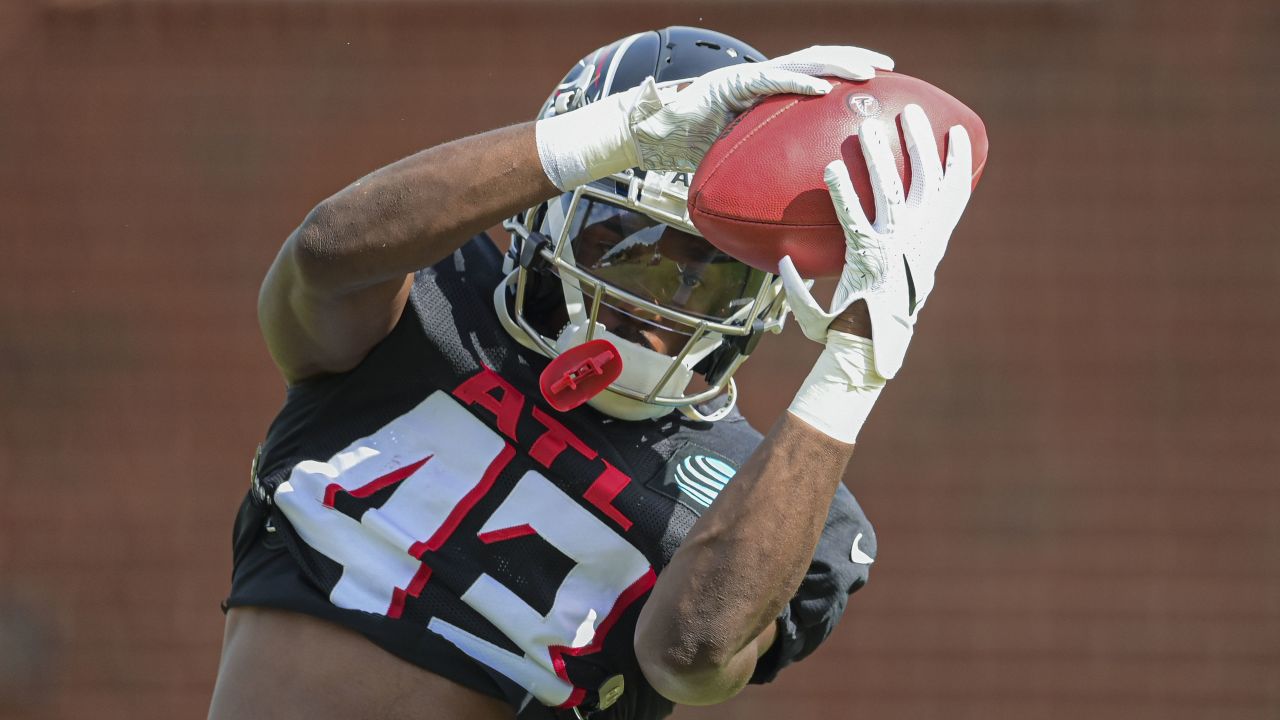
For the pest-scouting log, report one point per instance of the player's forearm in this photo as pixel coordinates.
(414, 212)
(740, 564)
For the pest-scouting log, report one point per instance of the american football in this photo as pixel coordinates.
(782, 145)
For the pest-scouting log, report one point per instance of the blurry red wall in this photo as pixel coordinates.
(1074, 480)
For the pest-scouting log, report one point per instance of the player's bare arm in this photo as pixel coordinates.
(713, 611)
(341, 279)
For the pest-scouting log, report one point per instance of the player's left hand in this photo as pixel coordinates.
(890, 263)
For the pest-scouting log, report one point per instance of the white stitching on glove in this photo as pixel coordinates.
(641, 128)
(902, 248)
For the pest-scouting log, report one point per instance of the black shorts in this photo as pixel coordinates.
(267, 575)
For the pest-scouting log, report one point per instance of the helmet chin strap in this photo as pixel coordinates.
(640, 365)
(609, 403)
(642, 370)
(624, 408)
(731, 401)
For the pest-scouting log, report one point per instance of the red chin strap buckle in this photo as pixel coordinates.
(579, 374)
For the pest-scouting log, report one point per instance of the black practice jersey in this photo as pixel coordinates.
(430, 499)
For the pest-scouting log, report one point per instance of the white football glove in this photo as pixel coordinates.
(673, 131)
(889, 263)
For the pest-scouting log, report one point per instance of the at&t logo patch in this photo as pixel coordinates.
(694, 477)
(701, 478)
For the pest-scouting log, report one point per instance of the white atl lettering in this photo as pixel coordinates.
(378, 552)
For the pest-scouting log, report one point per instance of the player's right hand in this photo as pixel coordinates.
(889, 264)
(675, 133)
(672, 128)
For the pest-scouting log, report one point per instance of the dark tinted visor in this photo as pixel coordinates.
(658, 263)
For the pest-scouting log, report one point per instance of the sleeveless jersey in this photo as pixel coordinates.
(431, 500)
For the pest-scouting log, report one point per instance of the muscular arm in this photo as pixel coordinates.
(713, 610)
(340, 282)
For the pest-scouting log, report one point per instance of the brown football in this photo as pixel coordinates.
(758, 194)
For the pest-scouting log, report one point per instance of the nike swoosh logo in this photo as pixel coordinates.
(911, 287)
(857, 555)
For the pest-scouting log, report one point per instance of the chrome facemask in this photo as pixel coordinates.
(718, 336)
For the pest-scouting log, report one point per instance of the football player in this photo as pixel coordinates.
(517, 486)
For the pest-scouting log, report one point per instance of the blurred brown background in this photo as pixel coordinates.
(1074, 482)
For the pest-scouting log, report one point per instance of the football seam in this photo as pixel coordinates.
(718, 216)
(734, 149)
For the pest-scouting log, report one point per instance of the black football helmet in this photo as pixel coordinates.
(619, 258)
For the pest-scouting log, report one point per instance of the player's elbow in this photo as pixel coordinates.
(313, 246)
(689, 672)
